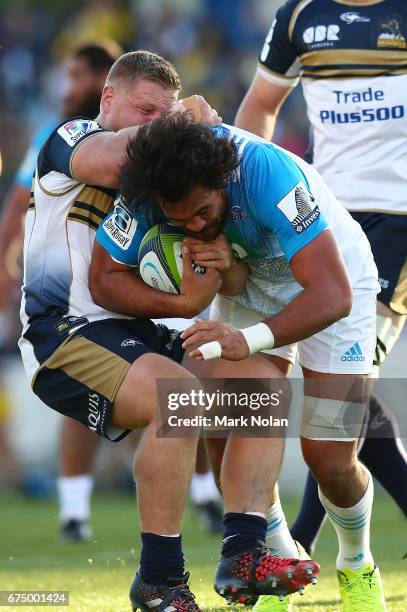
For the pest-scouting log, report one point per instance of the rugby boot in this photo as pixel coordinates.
(274, 603)
(361, 590)
(257, 572)
(75, 530)
(175, 595)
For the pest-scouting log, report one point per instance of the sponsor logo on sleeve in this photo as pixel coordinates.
(121, 227)
(300, 208)
(74, 130)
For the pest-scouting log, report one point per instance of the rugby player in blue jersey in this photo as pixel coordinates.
(350, 58)
(306, 275)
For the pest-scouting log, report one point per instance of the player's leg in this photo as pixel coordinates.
(333, 415)
(310, 517)
(382, 451)
(279, 539)
(163, 466)
(387, 235)
(345, 485)
(105, 377)
(204, 493)
(249, 470)
(78, 447)
(336, 365)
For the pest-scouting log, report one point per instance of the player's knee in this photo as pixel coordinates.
(329, 461)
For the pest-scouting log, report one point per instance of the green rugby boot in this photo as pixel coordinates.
(272, 603)
(361, 590)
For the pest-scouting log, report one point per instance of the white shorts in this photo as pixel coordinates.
(346, 347)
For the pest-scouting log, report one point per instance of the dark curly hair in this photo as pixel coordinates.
(171, 156)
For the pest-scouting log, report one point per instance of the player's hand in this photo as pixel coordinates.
(232, 341)
(201, 110)
(197, 290)
(215, 254)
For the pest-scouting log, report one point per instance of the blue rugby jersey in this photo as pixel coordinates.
(277, 205)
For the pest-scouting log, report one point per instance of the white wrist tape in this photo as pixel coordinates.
(259, 337)
(210, 350)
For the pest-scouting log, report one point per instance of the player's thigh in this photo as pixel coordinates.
(348, 346)
(136, 400)
(337, 363)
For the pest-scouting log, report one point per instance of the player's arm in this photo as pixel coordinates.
(277, 74)
(218, 254)
(327, 297)
(116, 287)
(260, 107)
(97, 160)
(13, 211)
(11, 226)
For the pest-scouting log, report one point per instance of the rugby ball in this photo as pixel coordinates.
(160, 258)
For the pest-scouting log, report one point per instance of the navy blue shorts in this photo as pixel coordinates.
(81, 378)
(387, 235)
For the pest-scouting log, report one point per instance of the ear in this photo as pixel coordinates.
(107, 98)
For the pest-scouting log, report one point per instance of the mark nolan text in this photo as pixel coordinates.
(253, 420)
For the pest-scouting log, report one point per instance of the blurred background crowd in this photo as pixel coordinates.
(214, 45)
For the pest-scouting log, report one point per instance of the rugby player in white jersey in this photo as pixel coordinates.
(99, 365)
(350, 57)
(307, 260)
(86, 71)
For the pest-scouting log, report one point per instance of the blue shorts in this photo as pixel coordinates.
(387, 235)
(82, 376)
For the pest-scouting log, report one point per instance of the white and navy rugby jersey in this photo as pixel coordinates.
(277, 205)
(61, 223)
(352, 61)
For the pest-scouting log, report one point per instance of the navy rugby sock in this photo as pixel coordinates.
(310, 517)
(161, 558)
(383, 454)
(242, 531)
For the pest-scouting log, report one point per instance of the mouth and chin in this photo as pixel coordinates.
(210, 231)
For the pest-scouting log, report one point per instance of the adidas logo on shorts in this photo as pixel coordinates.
(353, 354)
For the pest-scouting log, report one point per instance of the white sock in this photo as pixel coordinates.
(74, 494)
(203, 488)
(278, 537)
(352, 526)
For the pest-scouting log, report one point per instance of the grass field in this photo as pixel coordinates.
(98, 574)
